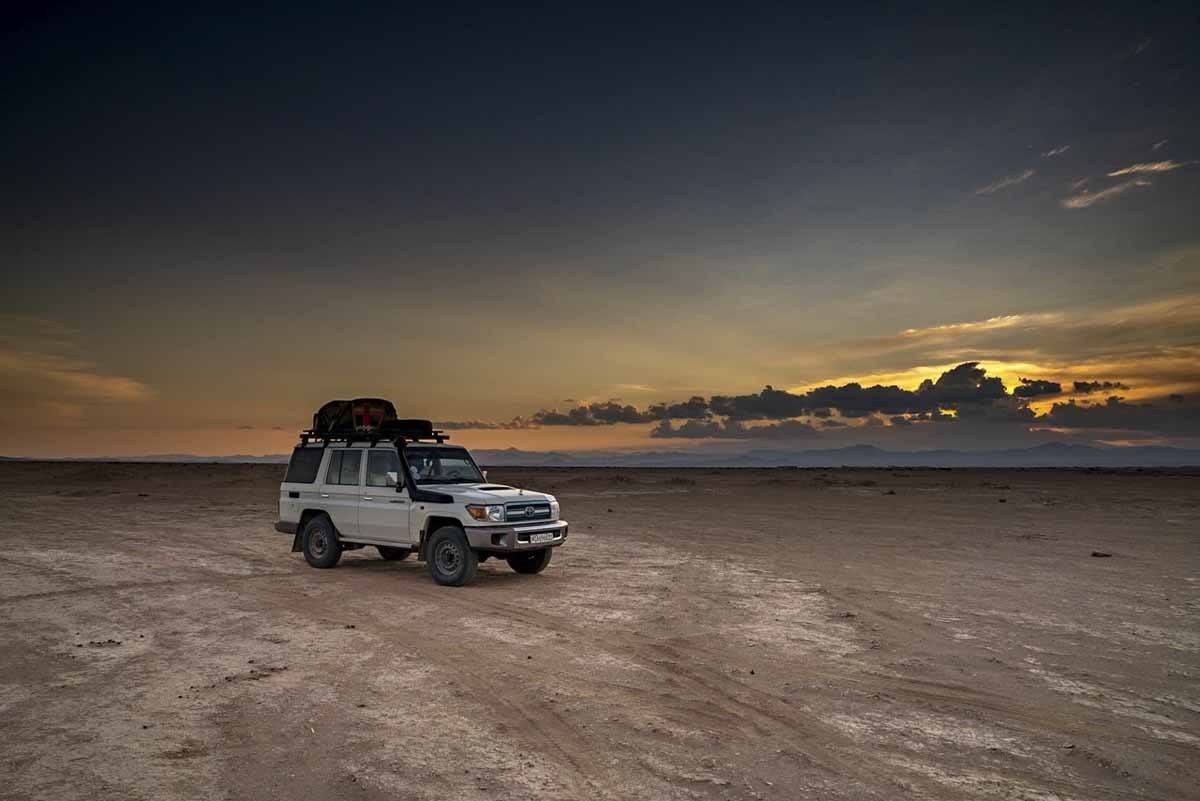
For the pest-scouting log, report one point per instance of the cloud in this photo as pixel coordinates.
(1087, 387)
(1116, 414)
(960, 386)
(990, 324)
(1056, 151)
(41, 362)
(1004, 183)
(1085, 199)
(694, 408)
(1037, 388)
(1147, 344)
(593, 414)
(1149, 167)
(50, 376)
(966, 384)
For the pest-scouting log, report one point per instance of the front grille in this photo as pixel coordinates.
(533, 510)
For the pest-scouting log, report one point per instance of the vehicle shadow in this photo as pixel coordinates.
(492, 572)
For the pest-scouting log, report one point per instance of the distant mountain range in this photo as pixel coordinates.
(1049, 455)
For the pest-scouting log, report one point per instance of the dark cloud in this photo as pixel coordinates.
(770, 404)
(1008, 409)
(1037, 388)
(855, 400)
(968, 383)
(963, 395)
(695, 408)
(1088, 387)
(593, 414)
(612, 412)
(734, 429)
(1116, 414)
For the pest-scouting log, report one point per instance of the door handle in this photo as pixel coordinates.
(324, 494)
(367, 498)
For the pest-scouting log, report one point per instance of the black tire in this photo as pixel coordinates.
(530, 562)
(451, 560)
(320, 542)
(393, 554)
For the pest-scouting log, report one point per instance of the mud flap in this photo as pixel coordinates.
(296, 541)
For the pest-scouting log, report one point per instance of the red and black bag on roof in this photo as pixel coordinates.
(348, 416)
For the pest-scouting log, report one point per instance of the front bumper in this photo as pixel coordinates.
(515, 537)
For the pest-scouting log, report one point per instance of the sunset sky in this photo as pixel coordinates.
(550, 230)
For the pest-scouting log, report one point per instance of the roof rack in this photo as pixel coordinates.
(373, 437)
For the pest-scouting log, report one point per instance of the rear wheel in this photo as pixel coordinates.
(530, 561)
(393, 554)
(451, 560)
(320, 544)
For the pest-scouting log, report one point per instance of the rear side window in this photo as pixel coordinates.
(343, 467)
(302, 469)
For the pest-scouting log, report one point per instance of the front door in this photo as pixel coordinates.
(382, 510)
(342, 488)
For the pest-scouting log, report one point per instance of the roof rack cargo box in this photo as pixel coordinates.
(351, 416)
(409, 429)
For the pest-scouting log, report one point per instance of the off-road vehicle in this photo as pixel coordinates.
(362, 477)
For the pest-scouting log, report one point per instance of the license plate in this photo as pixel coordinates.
(545, 536)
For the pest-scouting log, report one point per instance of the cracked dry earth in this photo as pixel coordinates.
(773, 634)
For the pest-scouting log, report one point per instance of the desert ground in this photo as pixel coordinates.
(704, 634)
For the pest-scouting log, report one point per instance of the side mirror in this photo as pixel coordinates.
(393, 478)
(484, 474)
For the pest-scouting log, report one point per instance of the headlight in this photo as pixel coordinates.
(488, 514)
(553, 509)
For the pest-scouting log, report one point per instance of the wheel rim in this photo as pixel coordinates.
(318, 543)
(448, 557)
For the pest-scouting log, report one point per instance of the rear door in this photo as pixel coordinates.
(341, 489)
(382, 510)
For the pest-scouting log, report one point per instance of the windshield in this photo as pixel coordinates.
(442, 466)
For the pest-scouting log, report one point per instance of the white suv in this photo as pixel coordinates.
(405, 491)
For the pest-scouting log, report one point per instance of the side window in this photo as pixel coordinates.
(335, 467)
(383, 468)
(343, 467)
(349, 472)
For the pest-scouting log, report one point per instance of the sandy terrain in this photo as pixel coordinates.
(775, 634)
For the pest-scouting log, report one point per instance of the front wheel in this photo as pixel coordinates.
(320, 544)
(393, 554)
(531, 561)
(451, 560)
